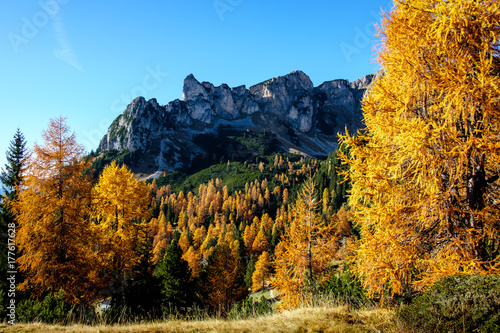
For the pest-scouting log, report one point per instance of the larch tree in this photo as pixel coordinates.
(193, 258)
(262, 272)
(119, 204)
(184, 242)
(307, 248)
(223, 280)
(425, 171)
(52, 211)
(260, 244)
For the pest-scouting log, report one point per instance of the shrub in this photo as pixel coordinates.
(51, 310)
(248, 308)
(457, 303)
(346, 288)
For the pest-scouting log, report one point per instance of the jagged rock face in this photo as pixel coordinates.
(138, 125)
(301, 117)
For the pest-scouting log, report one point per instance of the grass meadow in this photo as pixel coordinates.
(316, 319)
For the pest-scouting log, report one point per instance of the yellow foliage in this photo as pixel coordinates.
(425, 171)
(223, 284)
(184, 241)
(262, 272)
(55, 237)
(249, 236)
(193, 258)
(119, 203)
(306, 250)
(199, 236)
(260, 243)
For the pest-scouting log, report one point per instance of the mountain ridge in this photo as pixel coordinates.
(287, 112)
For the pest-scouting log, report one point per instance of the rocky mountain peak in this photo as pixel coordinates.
(193, 89)
(288, 108)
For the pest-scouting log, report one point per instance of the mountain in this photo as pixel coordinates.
(216, 124)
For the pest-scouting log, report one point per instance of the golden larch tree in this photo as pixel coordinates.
(249, 236)
(193, 258)
(308, 246)
(343, 225)
(55, 236)
(223, 280)
(119, 204)
(425, 172)
(260, 243)
(262, 272)
(184, 242)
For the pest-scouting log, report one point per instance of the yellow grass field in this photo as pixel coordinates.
(319, 319)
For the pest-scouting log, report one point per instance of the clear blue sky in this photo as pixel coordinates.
(88, 59)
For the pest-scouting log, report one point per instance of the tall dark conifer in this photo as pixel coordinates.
(177, 286)
(141, 292)
(10, 177)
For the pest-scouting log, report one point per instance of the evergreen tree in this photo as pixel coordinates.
(250, 270)
(16, 156)
(141, 292)
(177, 285)
(10, 177)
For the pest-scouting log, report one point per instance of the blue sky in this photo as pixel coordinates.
(87, 60)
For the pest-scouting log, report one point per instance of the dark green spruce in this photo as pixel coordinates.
(177, 285)
(10, 177)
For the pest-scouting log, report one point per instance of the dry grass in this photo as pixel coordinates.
(319, 319)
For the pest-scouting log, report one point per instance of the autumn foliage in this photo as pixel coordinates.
(223, 280)
(87, 236)
(424, 201)
(425, 171)
(308, 247)
(262, 273)
(119, 204)
(55, 233)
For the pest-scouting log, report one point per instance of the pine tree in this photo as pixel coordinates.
(10, 177)
(141, 291)
(425, 171)
(16, 156)
(177, 286)
(250, 270)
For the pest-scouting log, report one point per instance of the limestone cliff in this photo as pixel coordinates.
(296, 115)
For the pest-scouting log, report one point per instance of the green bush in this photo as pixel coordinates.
(457, 303)
(51, 310)
(346, 288)
(248, 308)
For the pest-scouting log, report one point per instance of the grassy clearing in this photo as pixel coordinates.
(319, 319)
